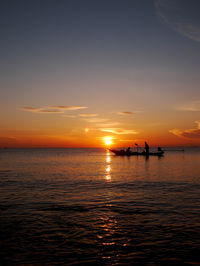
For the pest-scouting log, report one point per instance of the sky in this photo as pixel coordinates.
(75, 72)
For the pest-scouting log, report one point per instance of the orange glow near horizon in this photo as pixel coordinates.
(50, 131)
(81, 139)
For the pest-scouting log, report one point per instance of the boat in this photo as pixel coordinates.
(133, 153)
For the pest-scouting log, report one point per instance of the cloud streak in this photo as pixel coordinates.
(41, 110)
(67, 107)
(52, 109)
(70, 116)
(193, 133)
(125, 113)
(88, 115)
(95, 120)
(172, 13)
(109, 124)
(45, 111)
(119, 131)
(30, 109)
(126, 140)
(191, 107)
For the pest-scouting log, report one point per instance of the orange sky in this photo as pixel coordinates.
(77, 127)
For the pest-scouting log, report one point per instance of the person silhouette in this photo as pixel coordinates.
(160, 149)
(146, 148)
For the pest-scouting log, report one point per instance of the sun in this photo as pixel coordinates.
(108, 141)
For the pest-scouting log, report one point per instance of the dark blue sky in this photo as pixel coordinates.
(124, 31)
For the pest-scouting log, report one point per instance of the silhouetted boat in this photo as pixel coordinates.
(131, 153)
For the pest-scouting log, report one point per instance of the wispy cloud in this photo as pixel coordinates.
(173, 14)
(70, 116)
(96, 120)
(119, 131)
(68, 107)
(192, 106)
(52, 109)
(193, 133)
(88, 115)
(30, 109)
(125, 113)
(126, 140)
(109, 124)
(41, 110)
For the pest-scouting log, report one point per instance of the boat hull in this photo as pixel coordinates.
(129, 153)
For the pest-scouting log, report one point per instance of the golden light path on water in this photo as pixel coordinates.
(108, 221)
(108, 167)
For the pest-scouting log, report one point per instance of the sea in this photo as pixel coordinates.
(90, 207)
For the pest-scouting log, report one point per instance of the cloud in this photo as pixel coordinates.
(95, 120)
(30, 109)
(125, 113)
(68, 107)
(179, 17)
(119, 131)
(126, 140)
(109, 124)
(176, 132)
(40, 110)
(193, 106)
(52, 109)
(70, 116)
(88, 115)
(188, 133)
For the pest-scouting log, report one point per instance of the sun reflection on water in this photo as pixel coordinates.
(109, 226)
(108, 159)
(108, 167)
(108, 177)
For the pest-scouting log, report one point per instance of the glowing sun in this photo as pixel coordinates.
(108, 141)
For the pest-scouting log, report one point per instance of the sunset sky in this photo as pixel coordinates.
(76, 71)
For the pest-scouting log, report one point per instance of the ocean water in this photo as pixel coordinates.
(89, 207)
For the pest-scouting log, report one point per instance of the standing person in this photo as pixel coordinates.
(136, 146)
(160, 149)
(146, 148)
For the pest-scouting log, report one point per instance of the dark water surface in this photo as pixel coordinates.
(88, 207)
